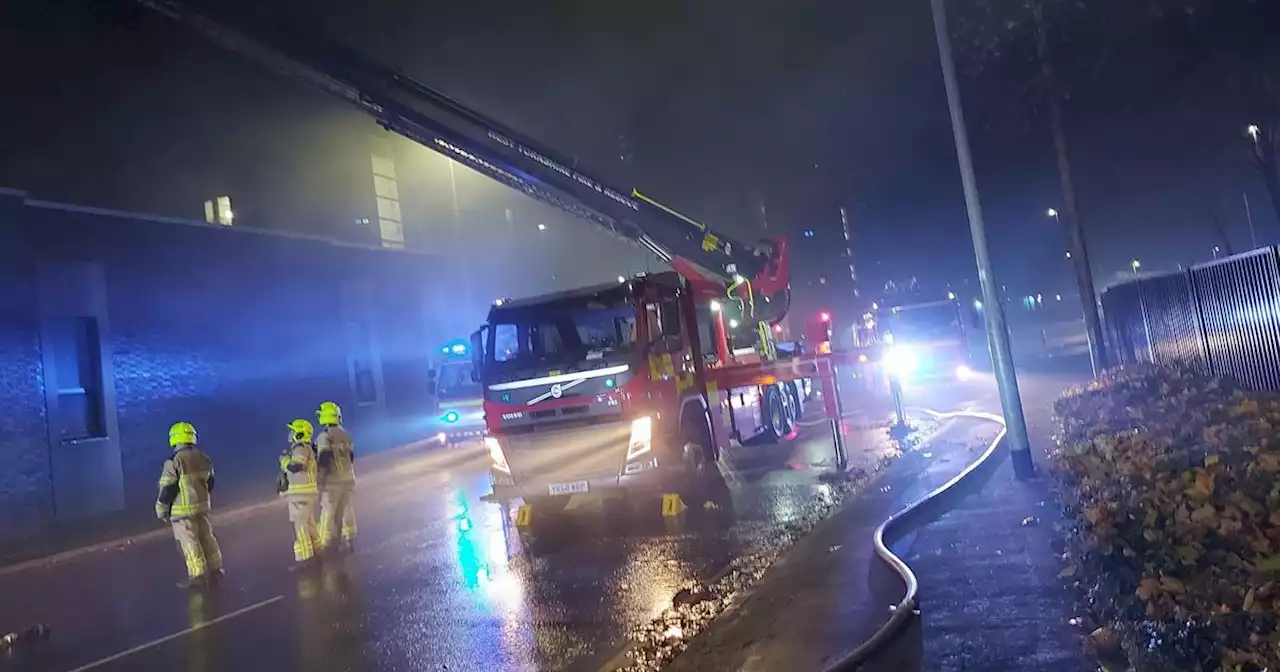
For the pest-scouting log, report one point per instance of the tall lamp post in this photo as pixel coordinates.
(1084, 284)
(997, 330)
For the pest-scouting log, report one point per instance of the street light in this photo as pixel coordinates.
(1253, 131)
(542, 227)
(1216, 251)
(1053, 212)
(1068, 254)
(997, 329)
(951, 296)
(1136, 265)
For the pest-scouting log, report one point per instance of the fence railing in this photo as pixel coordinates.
(1221, 317)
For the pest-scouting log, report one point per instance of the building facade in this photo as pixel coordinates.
(114, 325)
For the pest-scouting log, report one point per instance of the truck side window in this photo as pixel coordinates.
(706, 335)
(506, 342)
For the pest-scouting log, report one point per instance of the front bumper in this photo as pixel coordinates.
(651, 480)
(579, 460)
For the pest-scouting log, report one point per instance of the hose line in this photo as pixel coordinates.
(906, 609)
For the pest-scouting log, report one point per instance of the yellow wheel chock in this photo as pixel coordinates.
(672, 505)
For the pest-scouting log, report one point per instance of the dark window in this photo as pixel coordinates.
(77, 378)
(363, 381)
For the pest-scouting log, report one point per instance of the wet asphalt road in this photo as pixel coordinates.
(441, 579)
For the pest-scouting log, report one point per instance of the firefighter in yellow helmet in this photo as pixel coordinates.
(298, 485)
(335, 456)
(183, 501)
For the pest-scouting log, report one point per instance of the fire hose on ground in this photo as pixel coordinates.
(906, 609)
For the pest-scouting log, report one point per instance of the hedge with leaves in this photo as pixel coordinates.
(1172, 485)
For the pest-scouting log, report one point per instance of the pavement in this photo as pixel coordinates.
(441, 579)
(990, 597)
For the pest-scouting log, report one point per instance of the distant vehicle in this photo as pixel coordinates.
(926, 341)
(458, 411)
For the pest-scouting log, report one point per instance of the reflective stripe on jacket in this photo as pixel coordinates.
(299, 467)
(186, 482)
(336, 457)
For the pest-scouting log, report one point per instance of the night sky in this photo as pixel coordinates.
(720, 105)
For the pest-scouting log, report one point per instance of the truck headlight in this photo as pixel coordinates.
(496, 456)
(901, 361)
(641, 437)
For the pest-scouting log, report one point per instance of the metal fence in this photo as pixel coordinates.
(1222, 318)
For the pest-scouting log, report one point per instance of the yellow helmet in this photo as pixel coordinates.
(329, 413)
(301, 430)
(182, 434)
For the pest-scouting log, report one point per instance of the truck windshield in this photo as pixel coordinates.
(455, 381)
(925, 323)
(563, 336)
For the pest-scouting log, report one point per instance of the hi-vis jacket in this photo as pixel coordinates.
(186, 482)
(298, 465)
(336, 457)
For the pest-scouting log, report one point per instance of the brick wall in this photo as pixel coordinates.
(235, 331)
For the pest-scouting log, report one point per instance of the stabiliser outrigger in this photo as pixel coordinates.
(667, 398)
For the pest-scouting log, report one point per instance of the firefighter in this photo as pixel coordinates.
(186, 482)
(298, 486)
(335, 457)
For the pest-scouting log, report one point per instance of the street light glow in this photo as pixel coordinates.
(1068, 254)
(951, 296)
(542, 227)
(1052, 212)
(621, 279)
(1253, 131)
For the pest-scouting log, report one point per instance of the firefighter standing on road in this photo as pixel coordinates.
(336, 458)
(183, 501)
(299, 487)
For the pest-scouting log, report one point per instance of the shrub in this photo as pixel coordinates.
(1171, 483)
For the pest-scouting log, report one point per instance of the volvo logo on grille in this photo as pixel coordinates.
(556, 391)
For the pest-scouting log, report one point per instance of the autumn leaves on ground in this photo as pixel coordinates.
(1171, 483)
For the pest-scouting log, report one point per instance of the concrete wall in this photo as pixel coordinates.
(235, 331)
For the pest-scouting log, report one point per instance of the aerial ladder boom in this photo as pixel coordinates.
(758, 276)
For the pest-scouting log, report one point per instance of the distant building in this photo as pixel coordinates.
(118, 325)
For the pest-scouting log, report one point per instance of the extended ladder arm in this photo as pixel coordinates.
(420, 113)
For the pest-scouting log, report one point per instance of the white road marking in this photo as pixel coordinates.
(157, 642)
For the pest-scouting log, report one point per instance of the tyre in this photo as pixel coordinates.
(793, 395)
(775, 418)
(701, 475)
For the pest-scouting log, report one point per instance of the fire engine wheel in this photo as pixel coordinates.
(701, 474)
(793, 396)
(779, 426)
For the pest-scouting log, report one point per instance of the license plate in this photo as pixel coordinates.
(568, 488)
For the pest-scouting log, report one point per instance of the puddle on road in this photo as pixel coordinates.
(655, 644)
